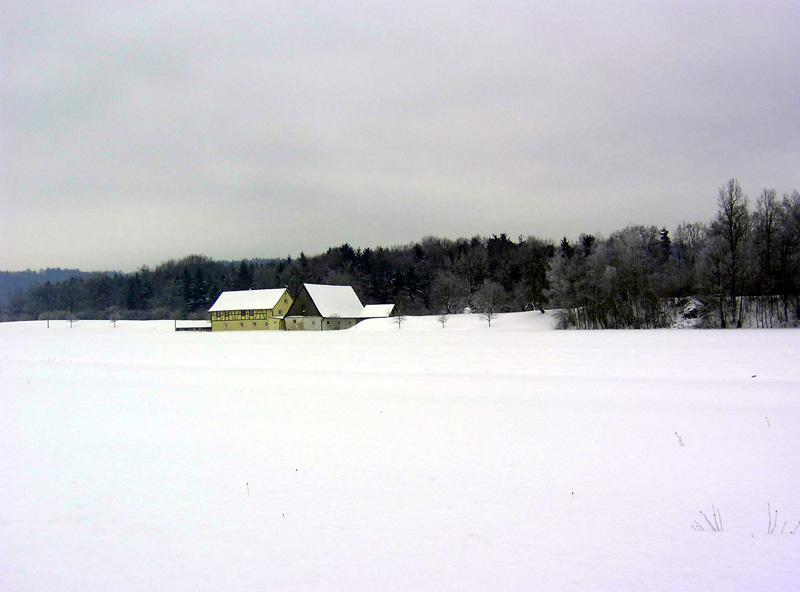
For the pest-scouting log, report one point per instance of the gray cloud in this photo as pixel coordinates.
(136, 132)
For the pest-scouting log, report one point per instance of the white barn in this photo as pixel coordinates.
(329, 308)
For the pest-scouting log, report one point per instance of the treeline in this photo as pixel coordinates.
(423, 277)
(741, 268)
(15, 281)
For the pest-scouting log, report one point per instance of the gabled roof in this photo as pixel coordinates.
(335, 301)
(376, 311)
(248, 300)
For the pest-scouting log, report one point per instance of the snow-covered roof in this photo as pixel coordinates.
(333, 301)
(375, 311)
(248, 300)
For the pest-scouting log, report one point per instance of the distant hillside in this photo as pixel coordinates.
(12, 281)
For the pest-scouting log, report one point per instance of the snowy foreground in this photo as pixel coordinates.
(464, 458)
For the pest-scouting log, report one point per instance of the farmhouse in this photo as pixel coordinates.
(250, 310)
(329, 308)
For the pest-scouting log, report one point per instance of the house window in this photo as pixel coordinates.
(219, 314)
(226, 316)
(226, 325)
(294, 321)
(266, 324)
(243, 314)
(327, 322)
(241, 324)
(303, 309)
(251, 314)
(280, 311)
(313, 323)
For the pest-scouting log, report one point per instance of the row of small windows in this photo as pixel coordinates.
(255, 324)
(242, 314)
(294, 321)
(314, 323)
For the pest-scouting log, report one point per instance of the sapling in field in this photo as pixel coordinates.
(489, 300)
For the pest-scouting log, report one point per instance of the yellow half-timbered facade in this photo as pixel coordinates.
(250, 310)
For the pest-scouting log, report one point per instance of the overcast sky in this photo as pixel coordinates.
(135, 132)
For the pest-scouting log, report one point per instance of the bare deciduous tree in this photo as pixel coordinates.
(732, 225)
(765, 220)
(399, 320)
(489, 300)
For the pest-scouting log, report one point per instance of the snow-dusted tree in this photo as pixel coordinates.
(472, 263)
(449, 292)
(629, 296)
(443, 318)
(489, 300)
(689, 241)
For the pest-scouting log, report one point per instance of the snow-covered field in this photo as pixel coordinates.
(463, 458)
